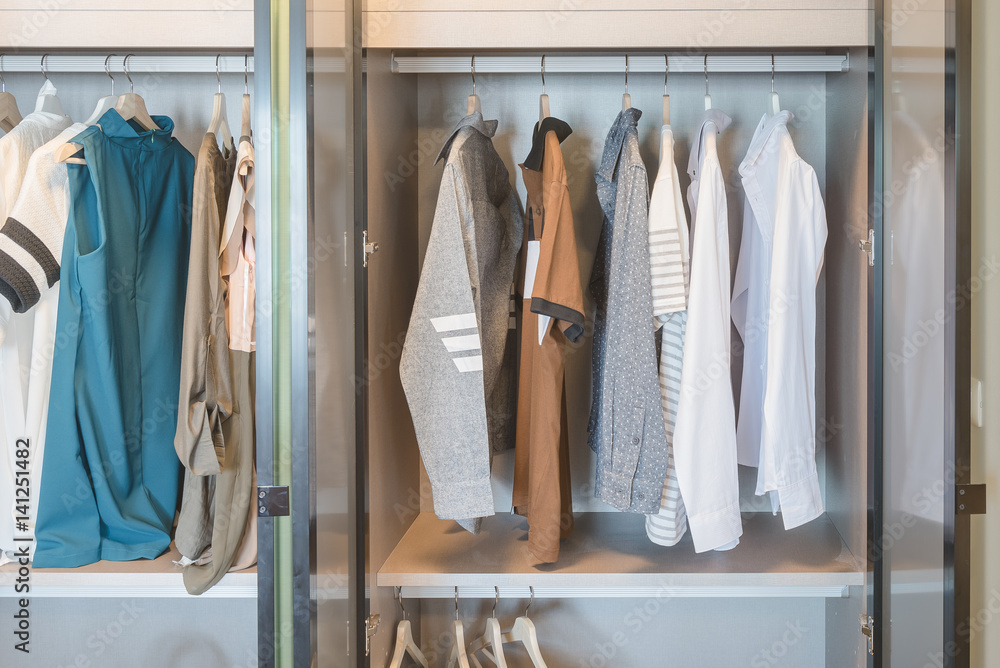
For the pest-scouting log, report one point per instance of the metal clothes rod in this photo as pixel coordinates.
(54, 62)
(645, 62)
(523, 592)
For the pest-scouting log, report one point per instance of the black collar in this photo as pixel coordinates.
(562, 130)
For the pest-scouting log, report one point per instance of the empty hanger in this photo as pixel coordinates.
(405, 644)
(543, 99)
(708, 98)
(131, 106)
(47, 100)
(666, 96)
(775, 104)
(626, 98)
(245, 129)
(491, 642)
(458, 656)
(9, 114)
(219, 119)
(108, 101)
(523, 632)
(474, 103)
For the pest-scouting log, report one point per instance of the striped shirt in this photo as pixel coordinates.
(669, 263)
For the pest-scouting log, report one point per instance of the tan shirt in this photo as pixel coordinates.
(552, 313)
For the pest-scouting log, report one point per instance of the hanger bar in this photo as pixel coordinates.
(138, 64)
(717, 64)
(653, 591)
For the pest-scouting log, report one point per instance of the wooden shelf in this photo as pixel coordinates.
(608, 555)
(143, 578)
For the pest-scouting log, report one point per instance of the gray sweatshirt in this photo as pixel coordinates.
(458, 366)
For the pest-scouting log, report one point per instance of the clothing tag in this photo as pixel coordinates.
(531, 266)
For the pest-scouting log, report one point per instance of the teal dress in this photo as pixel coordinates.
(111, 474)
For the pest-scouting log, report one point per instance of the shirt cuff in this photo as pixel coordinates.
(463, 500)
(801, 502)
(716, 529)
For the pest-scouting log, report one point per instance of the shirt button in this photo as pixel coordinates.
(640, 496)
(635, 441)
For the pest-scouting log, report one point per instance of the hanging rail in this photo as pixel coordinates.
(56, 62)
(751, 62)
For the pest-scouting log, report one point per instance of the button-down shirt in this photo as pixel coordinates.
(626, 420)
(458, 362)
(669, 264)
(705, 434)
(774, 309)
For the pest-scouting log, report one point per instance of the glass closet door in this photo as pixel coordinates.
(921, 538)
(309, 587)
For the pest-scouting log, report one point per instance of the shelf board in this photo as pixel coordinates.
(142, 578)
(609, 555)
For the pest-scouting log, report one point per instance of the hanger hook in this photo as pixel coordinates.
(128, 74)
(218, 77)
(399, 599)
(543, 74)
(44, 73)
(107, 70)
(246, 73)
(3, 84)
(626, 74)
(456, 602)
(495, 601)
(706, 74)
(666, 71)
(772, 72)
(473, 74)
(530, 601)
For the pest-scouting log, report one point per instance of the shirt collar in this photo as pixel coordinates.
(626, 123)
(537, 152)
(719, 121)
(474, 120)
(765, 130)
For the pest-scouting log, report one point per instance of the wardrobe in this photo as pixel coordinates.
(352, 102)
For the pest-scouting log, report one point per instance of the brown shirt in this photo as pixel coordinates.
(548, 289)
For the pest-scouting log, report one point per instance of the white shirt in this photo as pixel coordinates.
(669, 264)
(705, 434)
(774, 309)
(24, 375)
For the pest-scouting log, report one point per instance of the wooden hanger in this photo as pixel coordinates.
(131, 106)
(543, 99)
(523, 632)
(708, 98)
(626, 98)
(491, 642)
(775, 103)
(458, 657)
(405, 644)
(666, 96)
(9, 114)
(107, 102)
(220, 120)
(474, 102)
(245, 129)
(47, 100)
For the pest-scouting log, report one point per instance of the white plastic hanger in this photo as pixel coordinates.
(666, 96)
(474, 102)
(626, 98)
(47, 100)
(458, 656)
(524, 633)
(219, 119)
(708, 98)
(9, 114)
(543, 99)
(131, 106)
(491, 642)
(245, 129)
(108, 101)
(775, 103)
(405, 644)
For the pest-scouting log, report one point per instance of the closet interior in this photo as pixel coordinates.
(614, 598)
(105, 612)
